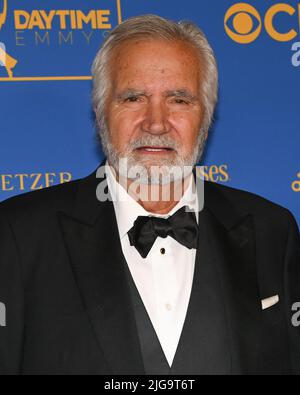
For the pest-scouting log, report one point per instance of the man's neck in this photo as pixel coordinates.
(160, 207)
(156, 199)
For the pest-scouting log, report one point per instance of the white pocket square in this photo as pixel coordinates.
(269, 302)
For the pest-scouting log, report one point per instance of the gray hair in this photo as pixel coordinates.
(155, 27)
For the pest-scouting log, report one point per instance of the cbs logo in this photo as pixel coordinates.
(244, 24)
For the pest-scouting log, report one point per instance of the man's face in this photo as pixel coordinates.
(153, 111)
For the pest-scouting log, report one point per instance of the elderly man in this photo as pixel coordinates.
(106, 275)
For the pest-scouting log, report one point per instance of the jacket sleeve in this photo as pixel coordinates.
(292, 289)
(11, 302)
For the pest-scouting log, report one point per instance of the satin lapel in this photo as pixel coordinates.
(204, 348)
(233, 241)
(94, 248)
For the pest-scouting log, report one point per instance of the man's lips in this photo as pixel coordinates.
(155, 150)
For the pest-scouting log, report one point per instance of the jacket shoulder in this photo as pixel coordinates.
(262, 209)
(42, 202)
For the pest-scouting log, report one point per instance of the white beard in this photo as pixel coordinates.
(164, 171)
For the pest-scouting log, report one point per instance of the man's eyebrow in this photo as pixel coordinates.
(184, 93)
(130, 92)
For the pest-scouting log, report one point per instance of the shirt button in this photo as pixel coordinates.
(168, 307)
(162, 251)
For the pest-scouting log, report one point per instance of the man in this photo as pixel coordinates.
(106, 275)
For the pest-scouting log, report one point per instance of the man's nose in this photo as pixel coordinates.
(156, 119)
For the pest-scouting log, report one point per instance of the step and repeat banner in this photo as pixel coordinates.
(46, 122)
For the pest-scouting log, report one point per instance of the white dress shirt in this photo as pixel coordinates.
(164, 278)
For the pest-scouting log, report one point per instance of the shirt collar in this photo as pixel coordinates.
(128, 210)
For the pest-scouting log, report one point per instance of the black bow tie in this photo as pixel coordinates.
(182, 226)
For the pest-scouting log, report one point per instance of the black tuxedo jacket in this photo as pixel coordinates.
(68, 308)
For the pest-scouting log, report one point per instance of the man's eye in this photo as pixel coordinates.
(181, 101)
(132, 99)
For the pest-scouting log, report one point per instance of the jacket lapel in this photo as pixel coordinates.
(204, 348)
(92, 240)
(233, 242)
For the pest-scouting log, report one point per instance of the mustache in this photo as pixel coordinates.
(153, 141)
